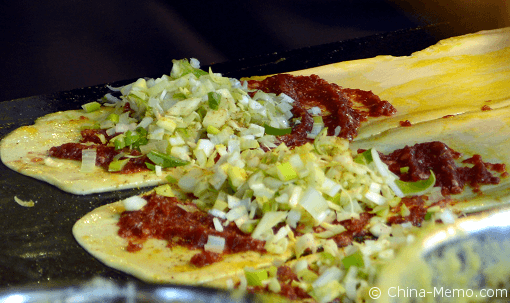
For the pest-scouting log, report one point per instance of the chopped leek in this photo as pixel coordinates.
(165, 160)
(356, 259)
(184, 67)
(214, 100)
(91, 106)
(364, 157)
(113, 117)
(117, 165)
(255, 277)
(286, 172)
(277, 131)
(417, 188)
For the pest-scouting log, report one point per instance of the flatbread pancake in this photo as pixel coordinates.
(25, 150)
(97, 232)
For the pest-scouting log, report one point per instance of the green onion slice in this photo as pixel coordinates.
(364, 158)
(277, 131)
(356, 259)
(165, 160)
(91, 106)
(254, 277)
(117, 165)
(113, 117)
(417, 188)
(214, 100)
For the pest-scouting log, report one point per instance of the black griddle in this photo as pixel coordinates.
(37, 246)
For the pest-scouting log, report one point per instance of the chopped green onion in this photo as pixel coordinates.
(307, 275)
(404, 169)
(186, 68)
(113, 117)
(318, 120)
(117, 165)
(356, 259)
(254, 277)
(417, 188)
(212, 130)
(277, 131)
(179, 96)
(150, 166)
(119, 142)
(131, 137)
(427, 217)
(364, 158)
(214, 100)
(165, 160)
(165, 190)
(286, 172)
(91, 106)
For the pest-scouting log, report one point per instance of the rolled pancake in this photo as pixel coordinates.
(155, 262)
(455, 76)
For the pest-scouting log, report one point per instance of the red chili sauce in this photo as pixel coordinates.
(162, 218)
(104, 154)
(335, 102)
(405, 123)
(417, 207)
(285, 277)
(438, 157)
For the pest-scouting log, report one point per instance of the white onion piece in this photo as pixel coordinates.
(268, 221)
(313, 201)
(237, 213)
(376, 198)
(158, 170)
(134, 203)
(215, 244)
(293, 218)
(386, 173)
(217, 224)
(146, 121)
(447, 216)
(218, 213)
(88, 160)
(330, 274)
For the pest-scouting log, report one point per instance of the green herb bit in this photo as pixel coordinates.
(277, 131)
(364, 158)
(165, 160)
(113, 117)
(119, 142)
(91, 106)
(131, 137)
(214, 100)
(187, 68)
(418, 187)
(356, 259)
(179, 96)
(254, 277)
(117, 165)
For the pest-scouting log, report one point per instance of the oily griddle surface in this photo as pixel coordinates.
(37, 245)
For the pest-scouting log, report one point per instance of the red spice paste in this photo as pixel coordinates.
(162, 218)
(104, 154)
(335, 102)
(285, 277)
(438, 157)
